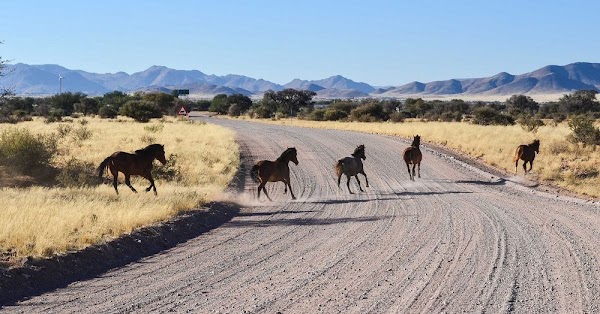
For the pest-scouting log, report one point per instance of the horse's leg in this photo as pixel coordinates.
(408, 168)
(128, 182)
(115, 175)
(419, 167)
(525, 167)
(530, 165)
(266, 194)
(413, 172)
(357, 180)
(339, 179)
(285, 184)
(366, 179)
(516, 166)
(149, 177)
(348, 184)
(291, 192)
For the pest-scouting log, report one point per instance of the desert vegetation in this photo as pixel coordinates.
(54, 202)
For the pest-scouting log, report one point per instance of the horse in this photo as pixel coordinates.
(274, 171)
(139, 163)
(412, 155)
(352, 166)
(526, 152)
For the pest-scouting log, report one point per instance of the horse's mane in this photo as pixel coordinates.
(358, 149)
(150, 149)
(286, 153)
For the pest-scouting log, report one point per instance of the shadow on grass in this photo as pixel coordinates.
(39, 276)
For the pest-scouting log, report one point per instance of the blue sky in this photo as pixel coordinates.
(378, 42)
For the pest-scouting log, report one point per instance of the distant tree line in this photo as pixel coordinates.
(140, 106)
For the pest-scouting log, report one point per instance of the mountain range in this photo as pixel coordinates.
(27, 79)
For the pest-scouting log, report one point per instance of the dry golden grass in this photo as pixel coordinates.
(559, 163)
(38, 221)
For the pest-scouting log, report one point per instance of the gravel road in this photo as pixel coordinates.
(458, 239)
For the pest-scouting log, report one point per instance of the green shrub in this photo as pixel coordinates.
(234, 110)
(316, 115)
(77, 173)
(108, 112)
(397, 117)
(82, 133)
(334, 115)
(171, 171)
(488, 116)
(140, 110)
(530, 124)
(371, 112)
(583, 131)
(24, 151)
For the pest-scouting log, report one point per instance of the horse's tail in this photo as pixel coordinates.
(103, 165)
(339, 167)
(254, 173)
(518, 153)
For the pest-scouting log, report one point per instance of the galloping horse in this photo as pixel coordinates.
(139, 164)
(273, 171)
(412, 155)
(352, 166)
(527, 154)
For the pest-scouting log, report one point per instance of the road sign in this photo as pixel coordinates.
(182, 111)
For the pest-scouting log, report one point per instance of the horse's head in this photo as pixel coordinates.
(416, 141)
(359, 152)
(293, 155)
(159, 154)
(536, 146)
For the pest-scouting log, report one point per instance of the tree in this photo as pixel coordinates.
(244, 102)
(289, 100)
(580, 102)
(4, 91)
(164, 102)
(520, 104)
(140, 110)
(86, 106)
(66, 102)
(219, 104)
(116, 99)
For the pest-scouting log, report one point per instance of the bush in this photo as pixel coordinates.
(530, 124)
(140, 110)
(82, 133)
(371, 112)
(234, 110)
(397, 117)
(261, 112)
(108, 112)
(24, 151)
(488, 116)
(171, 171)
(77, 173)
(334, 115)
(583, 131)
(316, 115)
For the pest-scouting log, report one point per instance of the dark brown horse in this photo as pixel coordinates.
(352, 166)
(527, 154)
(412, 155)
(139, 163)
(274, 171)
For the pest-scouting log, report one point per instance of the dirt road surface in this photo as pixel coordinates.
(457, 239)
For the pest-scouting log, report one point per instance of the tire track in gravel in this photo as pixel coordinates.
(456, 240)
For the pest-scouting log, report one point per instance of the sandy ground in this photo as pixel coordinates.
(457, 239)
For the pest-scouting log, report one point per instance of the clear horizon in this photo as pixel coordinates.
(383, 43)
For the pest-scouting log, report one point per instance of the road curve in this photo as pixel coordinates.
(456, 240)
